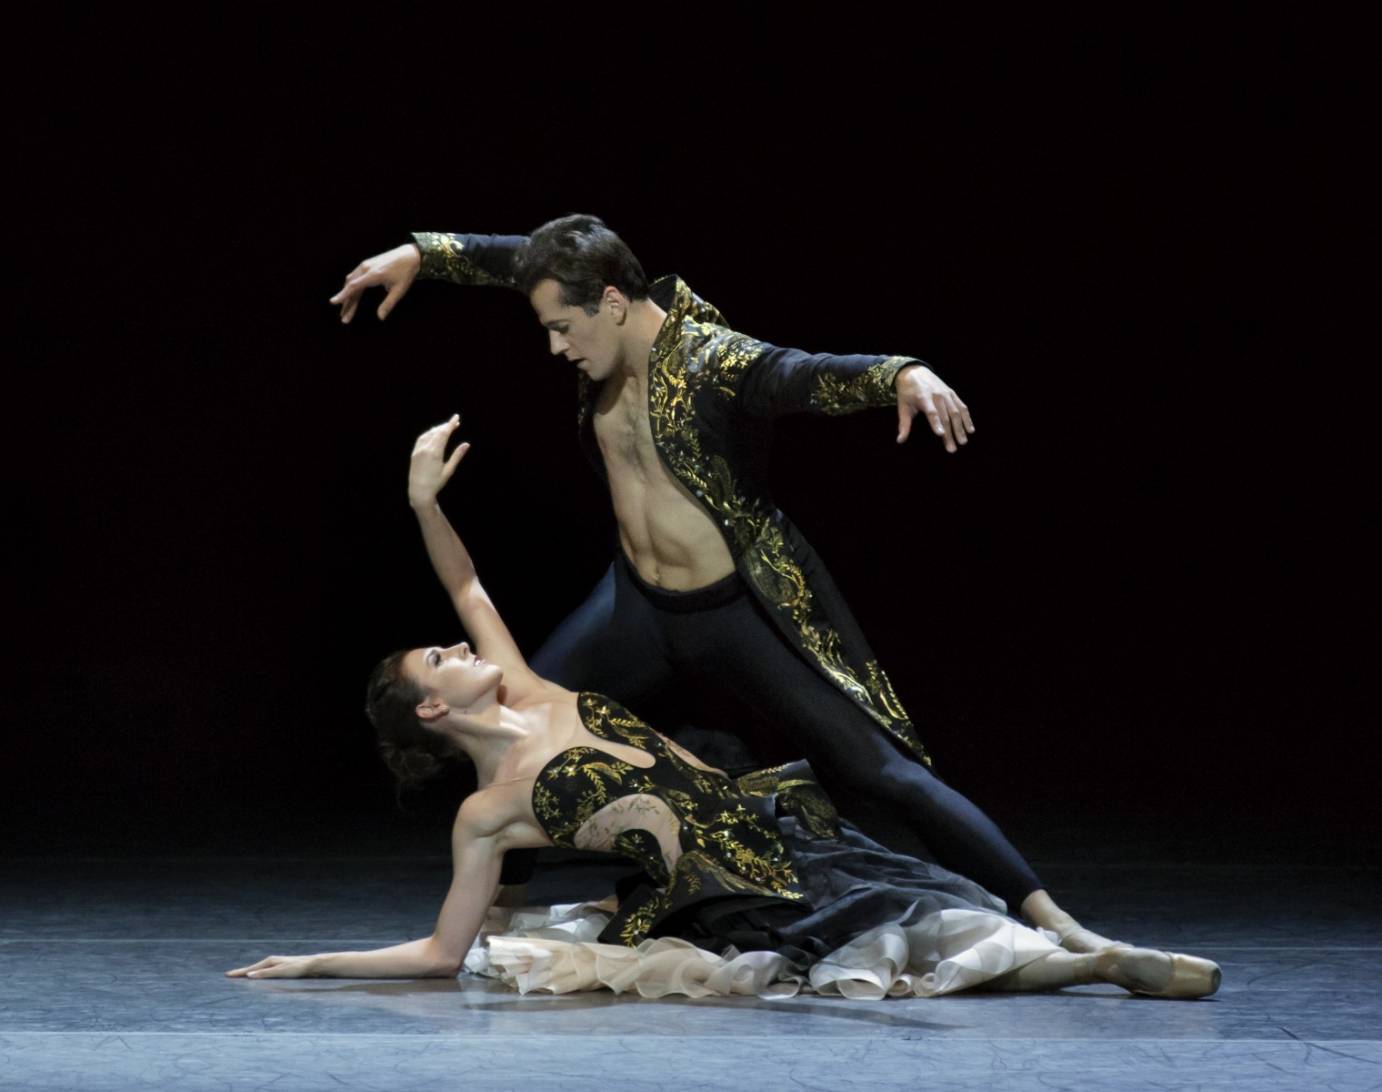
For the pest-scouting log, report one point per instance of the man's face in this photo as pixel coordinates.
(591, 342)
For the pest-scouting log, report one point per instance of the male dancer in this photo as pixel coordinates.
(713, 584)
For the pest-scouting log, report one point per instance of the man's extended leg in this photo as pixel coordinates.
(719, 637)
(892, 796)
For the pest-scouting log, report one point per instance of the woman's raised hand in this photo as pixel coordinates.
(430, 470)
(277, 966)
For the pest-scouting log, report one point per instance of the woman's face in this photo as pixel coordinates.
(456, 675)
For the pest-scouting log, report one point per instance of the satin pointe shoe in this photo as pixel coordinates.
(1157, 973)
(1076, 938)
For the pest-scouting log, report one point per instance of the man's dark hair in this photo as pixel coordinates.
(583, 256)
(412, 751)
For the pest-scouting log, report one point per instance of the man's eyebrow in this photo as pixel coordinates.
(552, 322)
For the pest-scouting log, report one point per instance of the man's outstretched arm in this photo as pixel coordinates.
(432, 255)
(776, 381)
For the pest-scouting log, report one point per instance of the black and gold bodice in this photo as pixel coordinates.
(730, 845)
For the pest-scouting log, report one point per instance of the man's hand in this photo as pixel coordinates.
(429, 470)
(395, 269)
(920, 390)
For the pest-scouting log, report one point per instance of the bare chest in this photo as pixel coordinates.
(625, 437)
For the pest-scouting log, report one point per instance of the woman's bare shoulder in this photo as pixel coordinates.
(501, 812)
(486, 812)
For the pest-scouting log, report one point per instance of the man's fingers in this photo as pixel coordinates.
(964, 415)
(905, 413)
(348, 298)
(953, 422)
(395, 294)
(345, 286)
(940, 422)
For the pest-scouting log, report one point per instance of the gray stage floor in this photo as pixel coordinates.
(112, 980)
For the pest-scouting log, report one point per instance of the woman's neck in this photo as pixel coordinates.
(505, 741)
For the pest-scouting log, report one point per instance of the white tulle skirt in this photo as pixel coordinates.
(942, 951)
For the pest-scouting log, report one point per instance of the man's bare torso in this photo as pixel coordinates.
(669, 538)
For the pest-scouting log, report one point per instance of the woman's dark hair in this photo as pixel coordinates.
(412, 751)
(581, 255)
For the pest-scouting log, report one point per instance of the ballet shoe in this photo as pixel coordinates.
(1076, 938)
(1157, 973)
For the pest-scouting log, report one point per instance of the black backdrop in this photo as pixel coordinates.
(1140, 591)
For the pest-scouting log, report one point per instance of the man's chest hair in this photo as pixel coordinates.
(626, 436)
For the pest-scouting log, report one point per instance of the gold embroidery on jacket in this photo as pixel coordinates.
(872, 387)
(444, 259)
(706, 355)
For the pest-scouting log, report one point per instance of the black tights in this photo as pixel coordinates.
(644, 646)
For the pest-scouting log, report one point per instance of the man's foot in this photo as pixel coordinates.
(1156, 973)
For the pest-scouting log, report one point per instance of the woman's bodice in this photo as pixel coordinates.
(697, 834)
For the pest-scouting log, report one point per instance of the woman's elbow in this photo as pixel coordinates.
(442, 963)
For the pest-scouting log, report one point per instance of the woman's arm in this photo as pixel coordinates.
(477, 855)
(427, 474)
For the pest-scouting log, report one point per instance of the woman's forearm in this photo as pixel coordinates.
(450, 559)
(413, 959)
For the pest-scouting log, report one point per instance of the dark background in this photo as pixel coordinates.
(1141, 593)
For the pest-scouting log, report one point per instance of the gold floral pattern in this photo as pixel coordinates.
(695, 359)
(729, 839)
(835, 394)
(796, 793)
(444, 259)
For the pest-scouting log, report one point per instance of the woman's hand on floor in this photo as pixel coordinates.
(277, 966)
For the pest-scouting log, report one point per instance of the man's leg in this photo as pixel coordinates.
(891, 796)
(609, 644)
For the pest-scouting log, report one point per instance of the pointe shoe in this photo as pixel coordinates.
(1158, 974)
(1076, 938)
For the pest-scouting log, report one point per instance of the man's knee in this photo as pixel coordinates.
(906, 783)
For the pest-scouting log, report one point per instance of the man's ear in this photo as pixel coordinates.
(431, 708)
(617, 302)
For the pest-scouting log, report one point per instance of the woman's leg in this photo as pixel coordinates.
(1137, 970)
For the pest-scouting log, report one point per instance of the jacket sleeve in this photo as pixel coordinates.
(468, 259)
(776, 381)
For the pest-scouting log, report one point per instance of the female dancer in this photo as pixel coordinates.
(761, 863)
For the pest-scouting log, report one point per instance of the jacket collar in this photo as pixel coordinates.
(674, 296)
